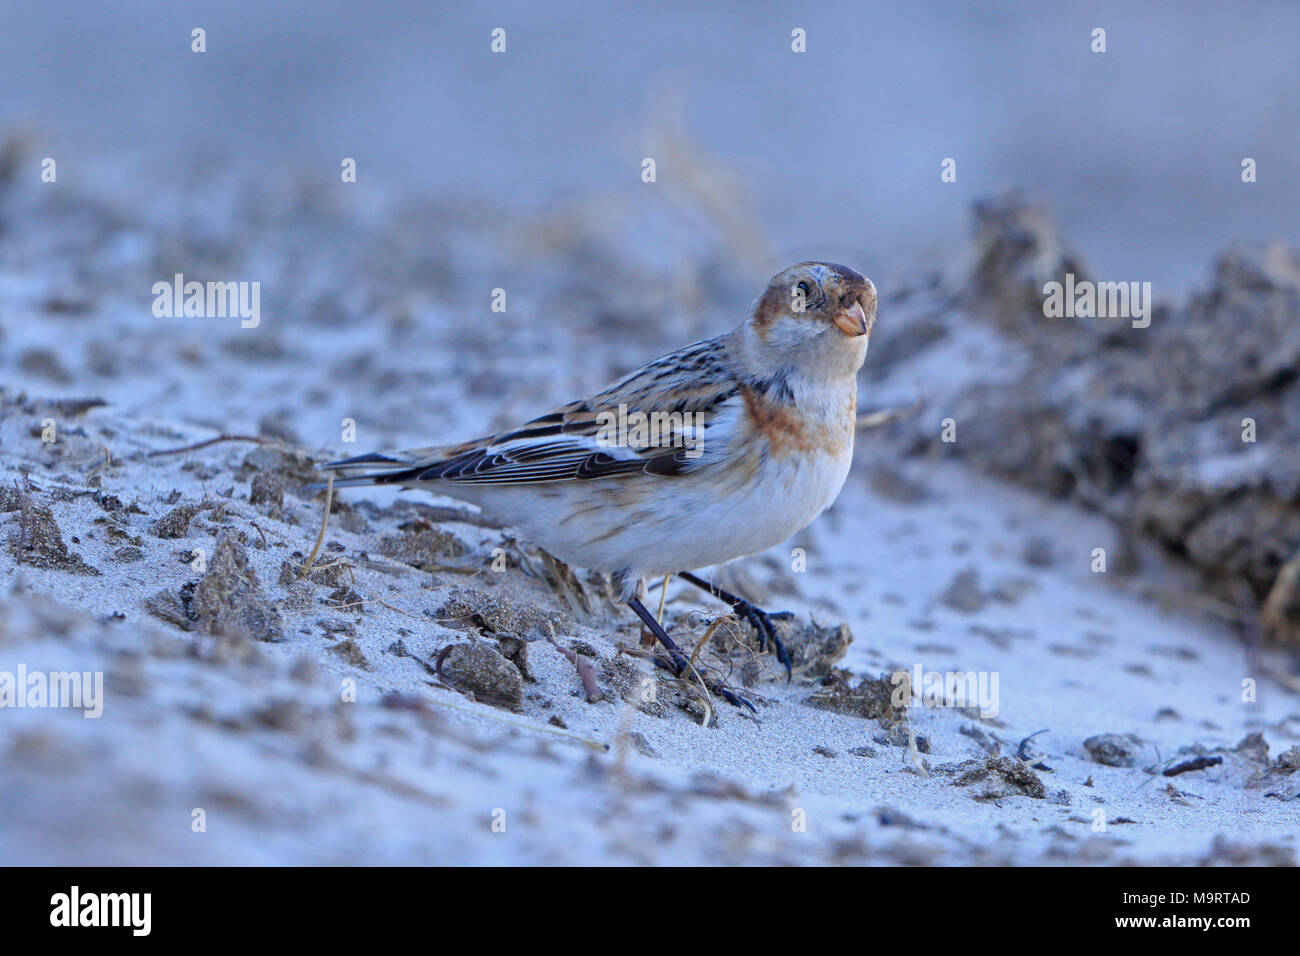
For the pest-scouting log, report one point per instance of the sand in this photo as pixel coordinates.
(251, 717)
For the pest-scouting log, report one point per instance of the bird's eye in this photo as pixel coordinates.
(805, 288)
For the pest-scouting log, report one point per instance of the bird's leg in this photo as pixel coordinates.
(680, 664)
(760, 619)
(679, 661)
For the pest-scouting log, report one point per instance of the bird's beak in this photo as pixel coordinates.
(852, 321)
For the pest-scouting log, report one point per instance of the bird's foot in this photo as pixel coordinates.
(679, 665)
(761, 621)
(758, 618)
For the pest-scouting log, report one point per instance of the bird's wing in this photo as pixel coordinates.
(685, 403)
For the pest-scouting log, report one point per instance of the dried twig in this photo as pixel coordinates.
(708, 701)
(1197, 763)
(695, 654)
(212, 441)
(1023, 753)
(913, 751)
(885, 416)
(320, 538)
(711, 686)
(585, 671)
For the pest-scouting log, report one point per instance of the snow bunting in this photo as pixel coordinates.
(716, 451)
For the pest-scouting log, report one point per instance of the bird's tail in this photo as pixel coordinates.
(381, 468)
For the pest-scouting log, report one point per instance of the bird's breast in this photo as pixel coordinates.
(818, 422)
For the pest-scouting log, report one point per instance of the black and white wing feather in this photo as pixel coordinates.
(691, 396)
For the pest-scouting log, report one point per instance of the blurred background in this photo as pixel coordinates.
(1137, 150)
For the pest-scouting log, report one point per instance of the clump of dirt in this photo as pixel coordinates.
(278, 425)
(515, 650)
(45, 363)
(267, 490)
(299, 596)
(229, 599)
(622, 680)
(36, 540)
(964, 593)
(350, 651)
(1114, 750)
(176, 523)
(1017, 250)
(11, 499)
(1226, 852)
(295, 471)
(870, 698)
(999, 776)
(175, 606)
(347, 599)
(470, 608)
(1280, 779)
(64, 408)
(1253, 747)
(814, 649)
(420, 548)
(474, 668)
(1182, 431)
(331, 574)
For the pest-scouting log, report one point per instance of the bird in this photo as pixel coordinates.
(719, 450)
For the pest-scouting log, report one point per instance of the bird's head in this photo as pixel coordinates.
(817, 317)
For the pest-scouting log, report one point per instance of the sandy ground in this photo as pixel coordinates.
(375, 710)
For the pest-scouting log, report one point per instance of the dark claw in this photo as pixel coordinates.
(762, 622)
(760, 619)
(759, 622)
(735, 700)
